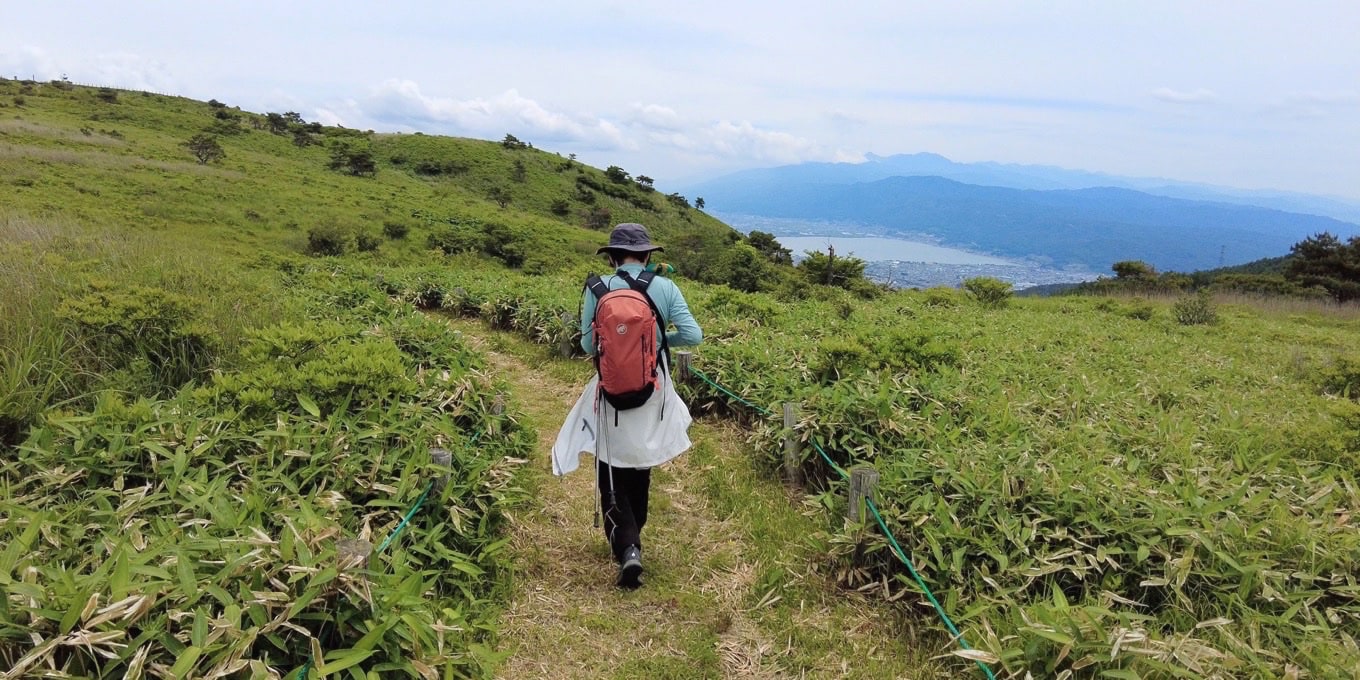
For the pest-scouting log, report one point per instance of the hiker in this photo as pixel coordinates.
(634, 428)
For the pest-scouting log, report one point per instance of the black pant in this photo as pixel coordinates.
(624, 504)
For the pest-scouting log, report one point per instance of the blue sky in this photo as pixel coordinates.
(1246, 94)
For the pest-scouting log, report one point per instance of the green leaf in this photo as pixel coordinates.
(121, 577)
(348, 659)
(10, 557)
(1052, 635)
(199, 634)
(1121, 673)
(73, 614)
(187, 582)
(308, 405)
(185, 662)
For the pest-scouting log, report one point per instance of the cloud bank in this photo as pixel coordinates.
(403, 104)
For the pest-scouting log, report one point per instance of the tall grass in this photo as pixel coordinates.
(1271, 305)
(47, 262)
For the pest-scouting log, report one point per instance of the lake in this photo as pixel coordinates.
(876, 248)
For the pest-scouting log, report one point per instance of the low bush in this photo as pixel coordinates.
(989, 292)
(365, 241)
(328, 240)
(149, 338)
(396, 229)
(1195, 309)
(1342, 377)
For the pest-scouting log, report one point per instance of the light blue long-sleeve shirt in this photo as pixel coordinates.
(669, 301)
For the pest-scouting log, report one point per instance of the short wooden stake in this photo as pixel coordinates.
(791, 445)
(863, 480)
(683, 360)
(442, 458)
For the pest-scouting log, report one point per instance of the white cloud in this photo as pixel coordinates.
(132, 71)
(1334, 98)
(746, 140)
(114, 69)
(402, 102)
(28, 62)
(1199, 96)
(1315, 105)
(646, 128)
(655, 117)
(329, 117)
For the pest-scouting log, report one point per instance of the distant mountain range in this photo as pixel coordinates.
(1054, 215)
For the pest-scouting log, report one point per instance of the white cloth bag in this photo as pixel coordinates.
(645, 437)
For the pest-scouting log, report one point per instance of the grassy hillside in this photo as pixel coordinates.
(165, 346)
(1106, 487)
(60, 148)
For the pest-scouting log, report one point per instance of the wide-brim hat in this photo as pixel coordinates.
(631, 237)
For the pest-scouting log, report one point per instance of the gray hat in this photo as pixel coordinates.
(631, 237)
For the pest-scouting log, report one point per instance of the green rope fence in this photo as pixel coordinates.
(896, 548)
(724, 390)
(392, 536)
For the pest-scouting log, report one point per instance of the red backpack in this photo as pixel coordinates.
(626, 326)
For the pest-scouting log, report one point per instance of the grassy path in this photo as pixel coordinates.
(730, 589)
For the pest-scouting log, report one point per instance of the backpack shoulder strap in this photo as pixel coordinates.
(640, 283)
(596, 286)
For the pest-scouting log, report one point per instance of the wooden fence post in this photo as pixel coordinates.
(791, 445)
(683, 360)
(442, 458)
(863, 480)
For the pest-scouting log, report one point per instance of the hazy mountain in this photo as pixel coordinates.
(1014, 176)
(1093, 227)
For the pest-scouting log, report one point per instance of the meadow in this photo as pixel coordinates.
(199, 405)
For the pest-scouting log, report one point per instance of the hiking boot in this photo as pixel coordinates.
(631, 569)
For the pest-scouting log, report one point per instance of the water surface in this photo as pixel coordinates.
(877, 248)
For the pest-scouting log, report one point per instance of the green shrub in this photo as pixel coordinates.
(1139, 310)
(290, 366)
(912, 350)
(1342, 378)
(458, 238)
(142, 339)
(396, 229)
(837, 357)
(988, 291)
(732, 303)
(366, 242)
(354, 158)
(505, 244)
(1195, 309)
(205, 148)
(327, 239)
(940, 296)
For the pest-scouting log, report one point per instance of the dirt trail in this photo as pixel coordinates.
(567, 619)
(703, 611)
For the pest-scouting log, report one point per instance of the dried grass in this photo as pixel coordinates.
(54, 132)
(108, 161)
